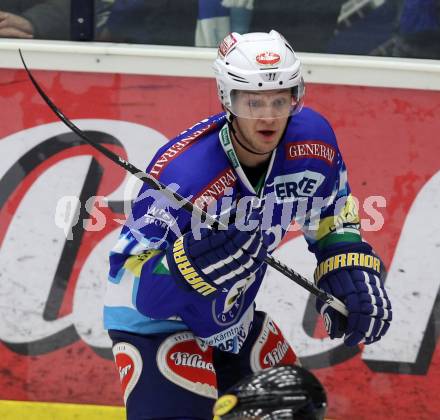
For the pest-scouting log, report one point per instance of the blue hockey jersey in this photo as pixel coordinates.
(305, 183)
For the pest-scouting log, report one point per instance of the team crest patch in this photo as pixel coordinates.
(186, 362)
(271, 348)
(129, 363)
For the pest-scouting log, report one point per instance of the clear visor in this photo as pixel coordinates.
(267, 104)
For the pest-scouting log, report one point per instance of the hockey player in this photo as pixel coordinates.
(278, 393)
(180, 298)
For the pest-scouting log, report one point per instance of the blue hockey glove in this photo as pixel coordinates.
(352, 274)
(219, 258)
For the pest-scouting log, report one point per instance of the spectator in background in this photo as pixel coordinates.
(162, 22)
(308, 24)
(217, 18)
(418, 30)
(365, 28)
(213, 23)
(44, 19)
(102, 10)
(240, 12)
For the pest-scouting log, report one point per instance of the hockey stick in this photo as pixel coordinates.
(183, 202)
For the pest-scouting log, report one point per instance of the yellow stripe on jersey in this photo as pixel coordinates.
(20, 410)
(135, 263)
(348, 214)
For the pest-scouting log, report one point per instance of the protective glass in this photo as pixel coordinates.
(270, 104)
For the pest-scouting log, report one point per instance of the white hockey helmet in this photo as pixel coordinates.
(254, 63)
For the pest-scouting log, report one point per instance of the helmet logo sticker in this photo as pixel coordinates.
(226, 45)
(268, 58)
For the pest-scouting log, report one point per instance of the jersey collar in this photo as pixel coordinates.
(226, 142)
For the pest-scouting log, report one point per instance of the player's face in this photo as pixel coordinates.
(261, 118)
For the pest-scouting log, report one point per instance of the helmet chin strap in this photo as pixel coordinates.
(230, 118)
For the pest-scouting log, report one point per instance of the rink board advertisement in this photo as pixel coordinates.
(62, 205)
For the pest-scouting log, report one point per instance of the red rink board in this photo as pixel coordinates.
(389, 140)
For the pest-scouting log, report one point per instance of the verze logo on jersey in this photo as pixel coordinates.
(310, 149)
(294, 186)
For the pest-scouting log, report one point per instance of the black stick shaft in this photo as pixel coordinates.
(186, 204)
